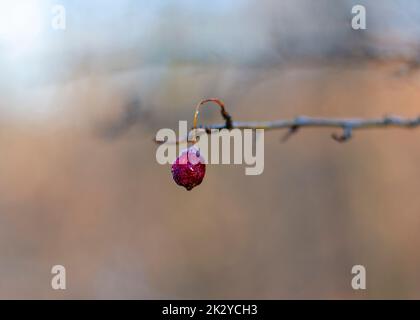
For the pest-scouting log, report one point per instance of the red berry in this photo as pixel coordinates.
(189, 168)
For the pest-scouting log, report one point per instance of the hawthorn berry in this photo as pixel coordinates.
(189, 168)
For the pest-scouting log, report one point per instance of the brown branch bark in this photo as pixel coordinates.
(347, 125)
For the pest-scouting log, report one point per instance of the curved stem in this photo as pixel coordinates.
(225, 115)
(197, 109)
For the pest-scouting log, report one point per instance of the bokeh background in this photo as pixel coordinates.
(80, 185)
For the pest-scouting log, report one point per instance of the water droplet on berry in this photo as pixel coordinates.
(189, 168)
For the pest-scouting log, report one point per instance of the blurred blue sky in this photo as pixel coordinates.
(111, 36)
(235, 31)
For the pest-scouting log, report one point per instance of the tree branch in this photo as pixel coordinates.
(293, 125)
(347, 125)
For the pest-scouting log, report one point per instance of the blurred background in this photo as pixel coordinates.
(80, 185)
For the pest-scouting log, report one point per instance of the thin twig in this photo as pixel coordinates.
(294, 125)
(347, 125)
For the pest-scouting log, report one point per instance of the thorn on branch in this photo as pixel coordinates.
(345, 136)
(227, 117)
(292, 130)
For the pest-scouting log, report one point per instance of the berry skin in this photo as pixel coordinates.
(189, 168)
